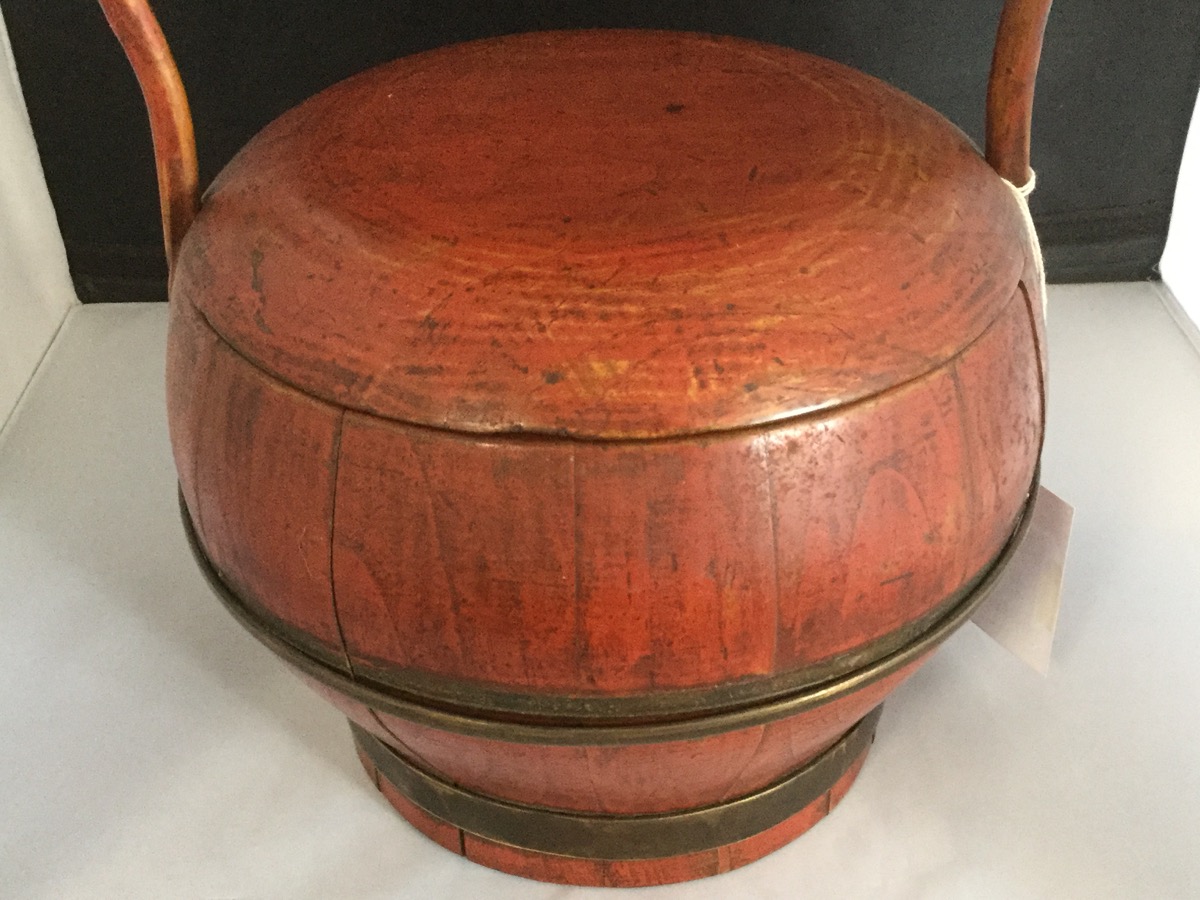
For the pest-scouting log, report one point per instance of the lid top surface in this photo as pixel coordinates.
(613, 234)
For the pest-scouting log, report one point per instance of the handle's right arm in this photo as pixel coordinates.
(1010, 88)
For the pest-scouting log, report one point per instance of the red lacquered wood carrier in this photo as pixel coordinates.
(605, 422)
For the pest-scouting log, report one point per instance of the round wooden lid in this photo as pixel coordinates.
(604, 234)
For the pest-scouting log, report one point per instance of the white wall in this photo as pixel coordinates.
(1181, 261)
(35, 286)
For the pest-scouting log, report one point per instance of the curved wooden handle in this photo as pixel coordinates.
(170, 120)
(1010, 88)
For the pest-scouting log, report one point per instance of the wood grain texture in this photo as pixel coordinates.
(614, 569)
(1015, 61)
(624, 569)
(727, 234)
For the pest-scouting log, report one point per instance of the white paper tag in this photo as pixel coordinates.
(1021, 612)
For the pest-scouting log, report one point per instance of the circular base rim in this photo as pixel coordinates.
(569, 847)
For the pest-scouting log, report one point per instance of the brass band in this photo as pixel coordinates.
(612, 837)
(541, 719)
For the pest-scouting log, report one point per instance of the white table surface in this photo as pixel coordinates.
(152, 749)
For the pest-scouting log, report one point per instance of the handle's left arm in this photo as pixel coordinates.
(170, 120)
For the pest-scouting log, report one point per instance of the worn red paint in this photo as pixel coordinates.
(605, 365)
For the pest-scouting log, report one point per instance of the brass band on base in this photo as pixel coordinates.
(556, 721)
(617, 837)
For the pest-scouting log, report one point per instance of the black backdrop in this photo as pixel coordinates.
(1118, 84)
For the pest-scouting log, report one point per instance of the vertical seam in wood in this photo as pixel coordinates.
(1041, 371)
(773, 511)
(969, 446)
(589, 760)
(462, 842)
(204, 330)
(399, 742)
(335, 467)
(462, 646)
(195, 513)
(733, 784)
(722, 858)
(580, 644)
